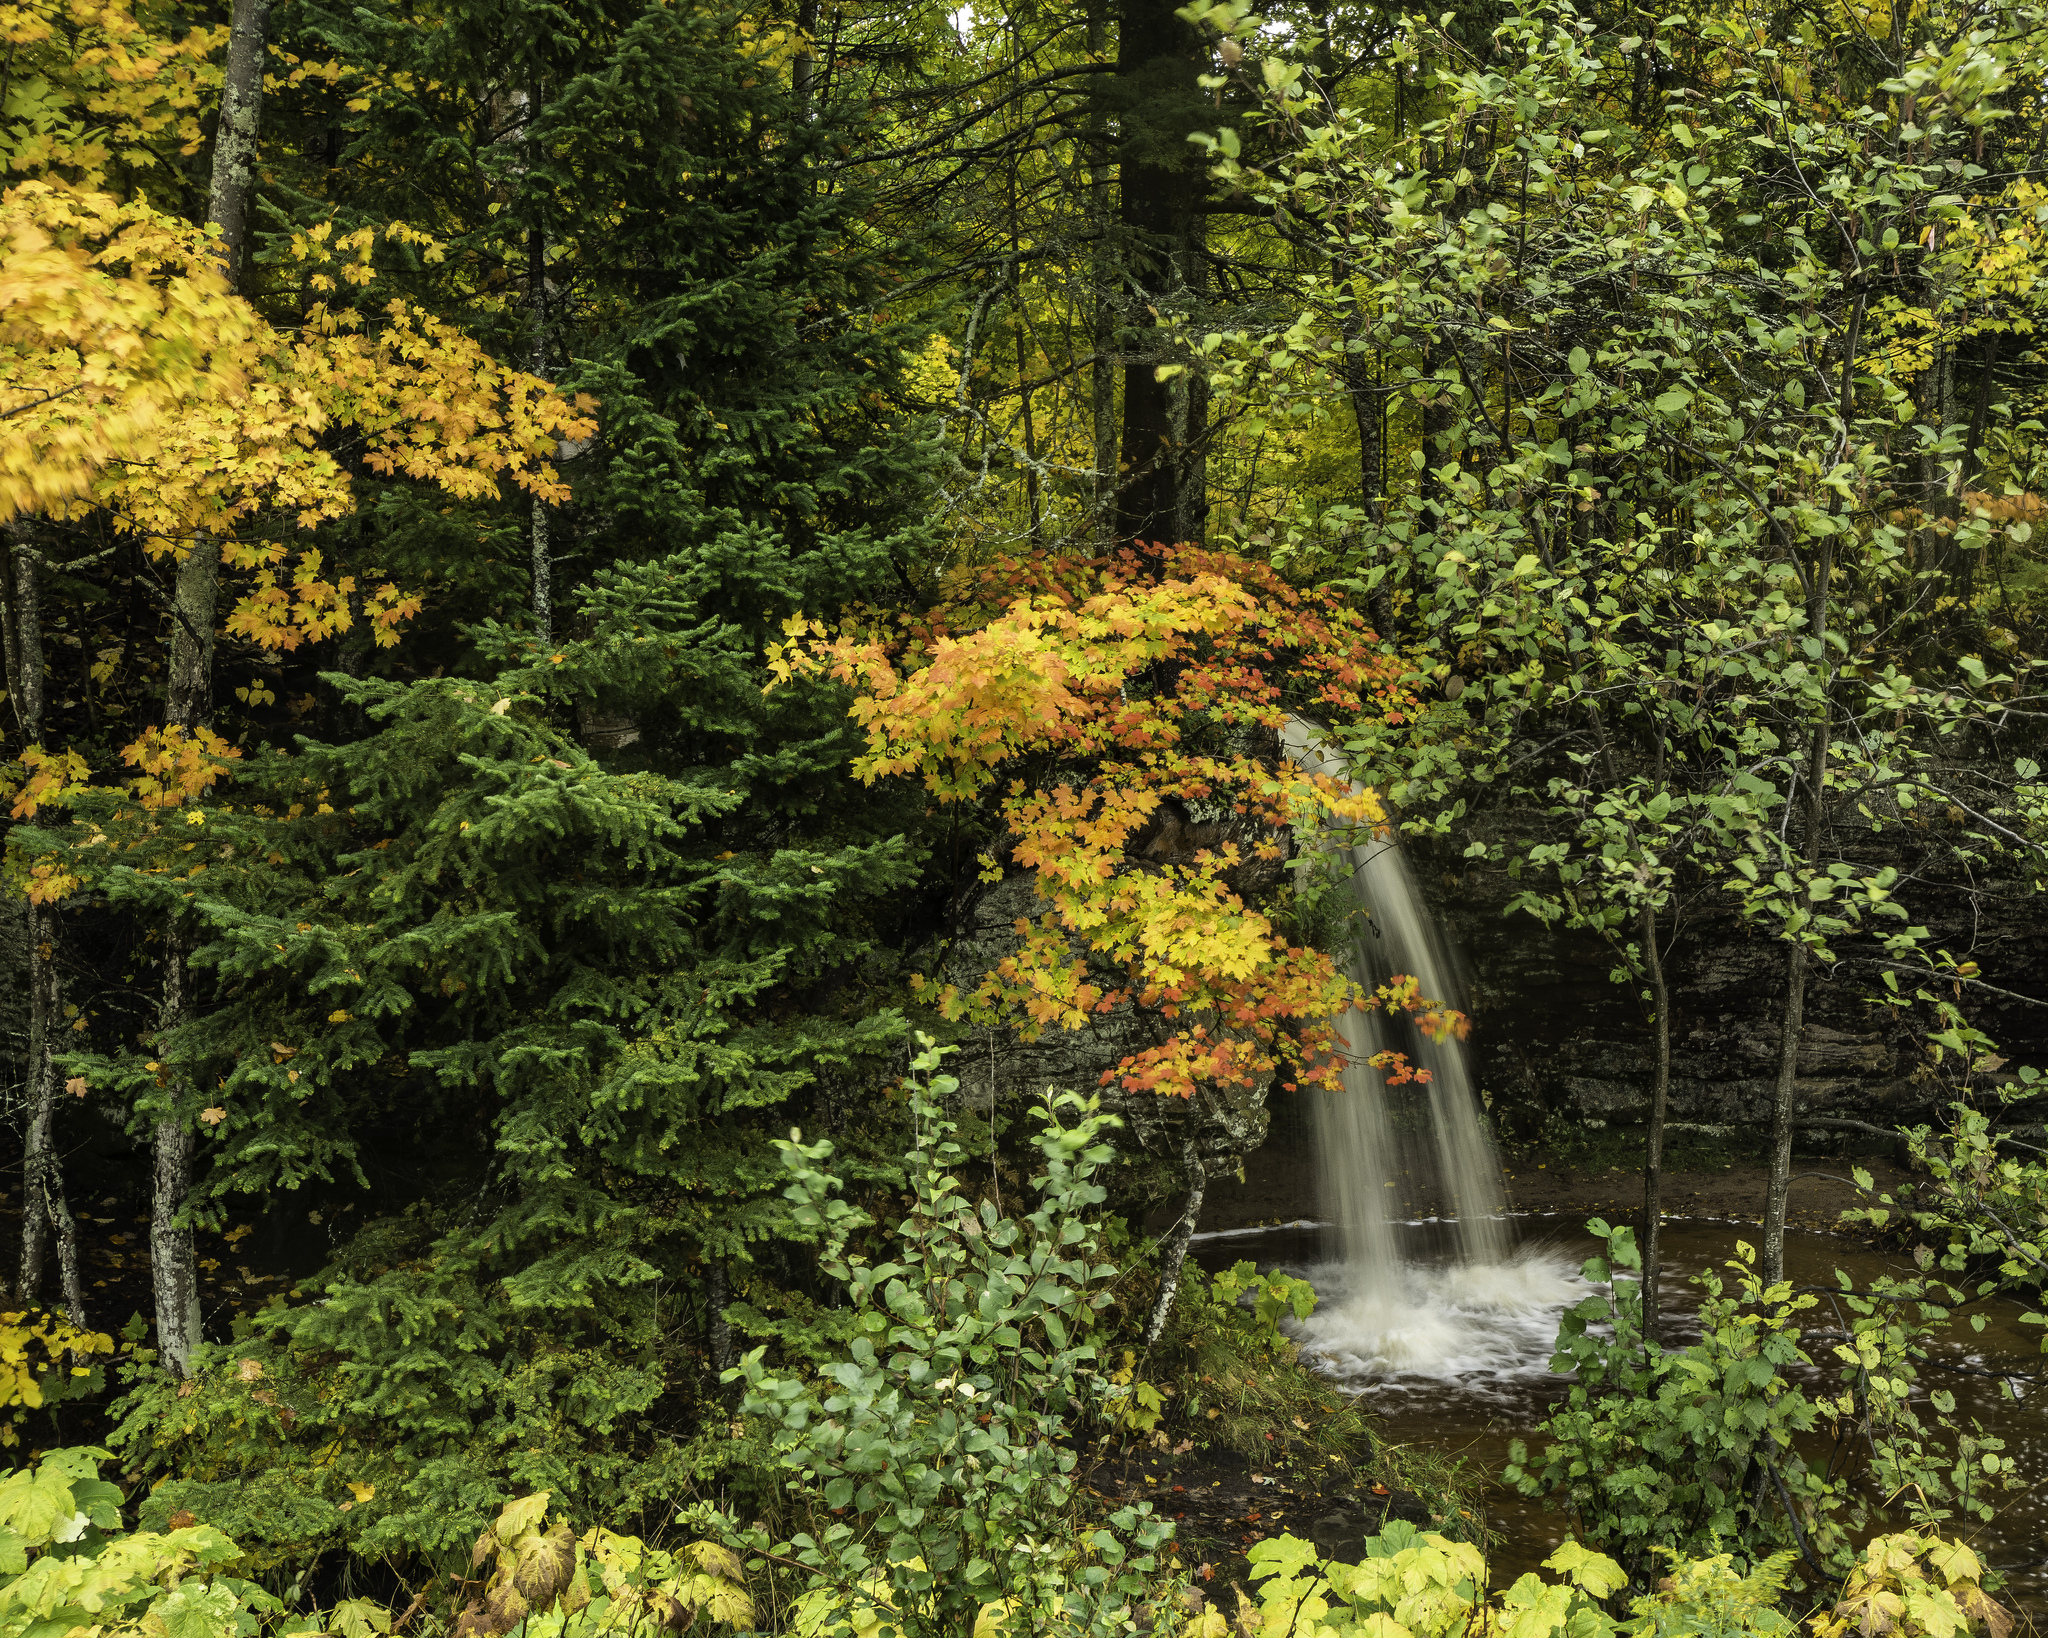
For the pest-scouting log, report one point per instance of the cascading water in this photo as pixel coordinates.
(1467, 1168)
(1383, 1312)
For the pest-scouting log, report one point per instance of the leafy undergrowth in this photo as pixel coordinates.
(1224, 1429)
(68, 1565)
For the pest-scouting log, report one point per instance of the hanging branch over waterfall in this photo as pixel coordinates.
(1095, 706)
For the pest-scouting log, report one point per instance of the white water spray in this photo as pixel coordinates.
(1381, 1313)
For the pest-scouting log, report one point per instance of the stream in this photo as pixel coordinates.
(1456, 1358)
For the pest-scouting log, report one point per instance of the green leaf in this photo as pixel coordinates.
(36, 1505)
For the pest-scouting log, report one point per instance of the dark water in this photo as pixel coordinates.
(1458, 1359)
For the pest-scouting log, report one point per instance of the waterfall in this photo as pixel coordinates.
(1467, 1168)
(1385, 1315)
(1382, 1313)
(1359, 1153)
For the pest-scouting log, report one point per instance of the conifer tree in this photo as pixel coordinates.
(544, 960)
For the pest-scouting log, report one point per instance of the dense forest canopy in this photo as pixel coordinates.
(580, 579)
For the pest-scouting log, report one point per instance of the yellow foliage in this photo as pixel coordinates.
(1913, 1585)
(94, 95)
(173, 765)
(53, 779)
(32, 1345)
(132, 379)
(116, 328)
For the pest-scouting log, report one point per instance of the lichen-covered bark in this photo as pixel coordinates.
(171, 1255)
(45, 1217)
(235, 155)
(235, 143)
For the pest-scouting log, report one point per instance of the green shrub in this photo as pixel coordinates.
(65, 1563)
(934, 1456)
(1686, 1449)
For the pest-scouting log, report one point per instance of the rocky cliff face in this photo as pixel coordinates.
(997, 1070)
(1554, 1035)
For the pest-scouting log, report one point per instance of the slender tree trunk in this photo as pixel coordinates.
(1785, 1102)
(1173, 1255)
(190, 703)
(44, 1214)
(1653, 1143)
(173, 1269)
(1968, 463)
(537, 302)
(1782, 1110)
(1102, 372)
(25, 689)
(719, 1298)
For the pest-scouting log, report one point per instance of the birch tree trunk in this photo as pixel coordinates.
(1173, 1255)
(45, 1216)
(1653, 1142)
(190, 705)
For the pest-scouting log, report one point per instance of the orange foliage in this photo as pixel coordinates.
(52, 778)
(172, 764)
(1142, 676)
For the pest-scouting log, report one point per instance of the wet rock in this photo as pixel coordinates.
(1553, 1035)
(1339, 1535)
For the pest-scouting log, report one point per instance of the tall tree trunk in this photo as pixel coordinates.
(803, 67)
(173, 1268)
(1782, 1109)
(190, 703)
(1969, 464)
(1653, 1142)
(1191, 422)
(235, 147)
(44, 1214)
(1159, 59)
(537, 304)
(1103, 297)
(1785, 1101)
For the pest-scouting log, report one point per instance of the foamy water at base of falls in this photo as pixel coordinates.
(1460, 1321)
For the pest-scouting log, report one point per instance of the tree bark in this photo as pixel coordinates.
(1173, 1255)
(190, 705)
(1782, 1110)
(719, 1298)
(1653, 1142)
(1159, 59)
(537, 303)
(1784, 1103)
(45, 1216)
(235, 148)
(173, 1269)
(1104, 303)
(803, 67)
